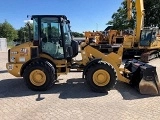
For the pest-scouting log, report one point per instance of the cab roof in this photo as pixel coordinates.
(41, 16)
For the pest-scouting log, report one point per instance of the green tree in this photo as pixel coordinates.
(7, 31)
(119, 19)
(76, 34)
(152, 13)
(151, 18)
(23, 33)
(55, 31)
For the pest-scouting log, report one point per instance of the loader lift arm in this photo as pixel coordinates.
(141, 75)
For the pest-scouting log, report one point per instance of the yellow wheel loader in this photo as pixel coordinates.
(51, 53)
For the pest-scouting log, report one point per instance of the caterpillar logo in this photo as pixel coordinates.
(23, 51)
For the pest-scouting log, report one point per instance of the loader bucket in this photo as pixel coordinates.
(143, 76)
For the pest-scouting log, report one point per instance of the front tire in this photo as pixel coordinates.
(101, 77)
(39, 75)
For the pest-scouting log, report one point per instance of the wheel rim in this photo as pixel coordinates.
(101, 78)
(37, 77)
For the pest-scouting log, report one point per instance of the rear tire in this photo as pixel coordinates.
(101, 77)
(39, 75)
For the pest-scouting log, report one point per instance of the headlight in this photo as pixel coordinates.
(12, 59)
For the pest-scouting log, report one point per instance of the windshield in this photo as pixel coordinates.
(50, 29)
(53, 34)
(146, 37)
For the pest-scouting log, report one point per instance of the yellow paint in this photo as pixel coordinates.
(59, 63)
(37, 77)
(56, 62)
(129, 9)
(100, 37)
(101, 78)
(16, 69)
(139, 16)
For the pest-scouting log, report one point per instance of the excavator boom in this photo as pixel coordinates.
(139, 18)
(139, 5)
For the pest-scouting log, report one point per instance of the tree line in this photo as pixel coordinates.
(22, 34)
(152, 15)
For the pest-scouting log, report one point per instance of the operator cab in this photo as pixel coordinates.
(148, 35)
(52, 34)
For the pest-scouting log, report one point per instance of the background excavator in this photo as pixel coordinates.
(51, 53)
(145, 41)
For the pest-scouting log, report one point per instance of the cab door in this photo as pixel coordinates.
(67, 39)
(51, 37)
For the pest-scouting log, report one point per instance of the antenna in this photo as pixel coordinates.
(28, 16)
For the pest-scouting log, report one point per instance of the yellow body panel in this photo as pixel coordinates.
(59, 63)
(18, 56)
(21, 53)
(128, 41)
(14, 68)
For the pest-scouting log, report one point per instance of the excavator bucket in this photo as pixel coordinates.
(143, 76)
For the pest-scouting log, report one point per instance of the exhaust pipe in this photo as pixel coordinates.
(143, 76)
